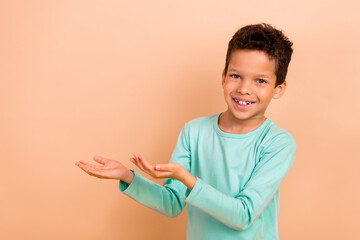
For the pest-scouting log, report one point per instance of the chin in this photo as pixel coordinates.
(246, 116)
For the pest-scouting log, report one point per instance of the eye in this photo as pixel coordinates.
(262, 81)
(234, 76)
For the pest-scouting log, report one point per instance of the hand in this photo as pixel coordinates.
(167, 170)
(109, 169)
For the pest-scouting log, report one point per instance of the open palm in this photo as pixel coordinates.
(110, 169)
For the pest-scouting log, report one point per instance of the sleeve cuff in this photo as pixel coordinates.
(129, 188)
(191, 194)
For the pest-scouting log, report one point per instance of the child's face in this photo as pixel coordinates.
(249, 84)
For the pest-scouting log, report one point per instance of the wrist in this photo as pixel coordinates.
(187, 179)
(128, 176)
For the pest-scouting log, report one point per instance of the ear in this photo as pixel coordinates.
(279, 90)
(223, 78)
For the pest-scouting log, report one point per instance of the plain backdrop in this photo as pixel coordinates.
(84, 77)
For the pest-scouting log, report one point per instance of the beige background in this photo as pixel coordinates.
(83, 78)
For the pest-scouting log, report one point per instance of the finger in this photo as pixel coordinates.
(151, 169)
(100, 159)
(136, 161)
(162, 174)
(90, 169)
(143, 166)
(136, 157)
(85, 169)
(96, 173)
(163, 167)
(133, 160)
(146, 164)
(92, 174)
(170, 166)
(83, 166)
(89, 166)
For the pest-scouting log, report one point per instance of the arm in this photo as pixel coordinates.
(241, 211)
(169, 170)
(168, 199)
(165, 200)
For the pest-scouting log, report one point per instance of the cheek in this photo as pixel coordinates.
(227, 91)
(229, 86)
(265, 94)
(225, 87)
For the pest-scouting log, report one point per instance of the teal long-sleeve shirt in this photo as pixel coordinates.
(236, 194)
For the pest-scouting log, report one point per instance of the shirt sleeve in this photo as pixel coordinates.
(168, 199)
(241, 211)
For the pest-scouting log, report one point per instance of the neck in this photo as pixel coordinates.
(227, 123)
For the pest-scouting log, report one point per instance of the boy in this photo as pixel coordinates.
(227, 167)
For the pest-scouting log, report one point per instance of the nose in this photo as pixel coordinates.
(244, 87)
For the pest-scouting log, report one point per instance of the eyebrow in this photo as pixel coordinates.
(261, 75)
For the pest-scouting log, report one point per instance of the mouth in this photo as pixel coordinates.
(243, 103)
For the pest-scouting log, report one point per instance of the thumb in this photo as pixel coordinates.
(163, 167)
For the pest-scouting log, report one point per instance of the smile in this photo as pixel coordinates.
(243, 103)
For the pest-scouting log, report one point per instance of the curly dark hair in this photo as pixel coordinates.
(265, 38)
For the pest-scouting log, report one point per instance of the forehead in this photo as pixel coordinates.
(252, 62)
